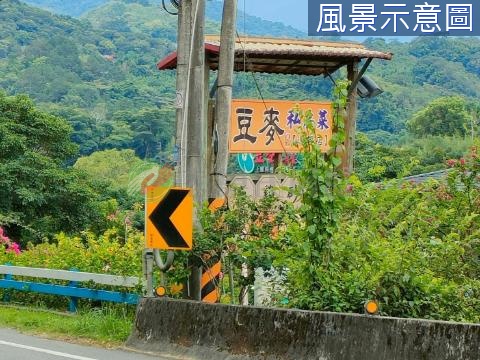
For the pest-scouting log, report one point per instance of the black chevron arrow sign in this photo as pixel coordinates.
(160, 218)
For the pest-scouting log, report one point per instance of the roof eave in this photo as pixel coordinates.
(170, 62)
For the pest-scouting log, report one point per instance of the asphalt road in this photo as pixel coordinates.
(16, 346)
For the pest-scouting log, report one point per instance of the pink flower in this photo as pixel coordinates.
(14, 247)
(451, 163)
(11, 246)
(462, 161)
(3, 237)
(349, 188)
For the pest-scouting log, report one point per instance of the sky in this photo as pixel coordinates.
(290, 12)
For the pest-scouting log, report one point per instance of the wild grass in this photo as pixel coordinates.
(108, 326)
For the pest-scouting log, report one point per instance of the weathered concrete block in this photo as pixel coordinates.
(244, 182)
(265, 182)
(194, 330)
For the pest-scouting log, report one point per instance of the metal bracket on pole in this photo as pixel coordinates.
(150, 258)
(163, 266)
(355, 81)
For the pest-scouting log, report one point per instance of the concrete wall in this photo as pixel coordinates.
(254, 185)
(192, 330)
(267, 283)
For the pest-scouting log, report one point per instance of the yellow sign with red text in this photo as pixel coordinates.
(272, 126)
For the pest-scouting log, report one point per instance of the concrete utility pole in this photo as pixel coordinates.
(183, 55)
(197, 173)
(191, 127)
(191, 133)
(224, 96)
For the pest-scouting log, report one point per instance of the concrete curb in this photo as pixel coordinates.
(193, 330)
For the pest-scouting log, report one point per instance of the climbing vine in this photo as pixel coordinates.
(320, 187)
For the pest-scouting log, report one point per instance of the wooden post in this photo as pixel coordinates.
(350, 122)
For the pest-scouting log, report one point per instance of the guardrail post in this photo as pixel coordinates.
(73, 304)
(6, 295)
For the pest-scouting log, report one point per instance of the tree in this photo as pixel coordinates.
(39, 195)
(376, 162)
(117, 172)
(120, 137)
(443, 116)
(113, 166)
(153, 130)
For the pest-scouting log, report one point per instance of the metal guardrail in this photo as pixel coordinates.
(420, 178)
(72, 290)
(103, 279)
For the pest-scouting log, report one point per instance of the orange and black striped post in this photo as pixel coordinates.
(210, 283)
(211, 275)
(215, 203)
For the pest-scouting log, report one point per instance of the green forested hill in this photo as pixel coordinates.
(71, 69)
(421, 70)
(252, 24)
(99, 72)
(67, 7)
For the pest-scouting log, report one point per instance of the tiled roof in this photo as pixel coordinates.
(272, 46)
(285, 56)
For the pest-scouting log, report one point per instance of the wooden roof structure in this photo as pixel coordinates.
(297, 57)
(285, 56)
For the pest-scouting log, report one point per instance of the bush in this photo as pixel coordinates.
(413, 248)
(105, 254)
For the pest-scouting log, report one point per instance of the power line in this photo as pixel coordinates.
(259, 90)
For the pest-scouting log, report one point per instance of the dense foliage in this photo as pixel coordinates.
(108, 253)
(99, 72)
(72, 8)
(412, 247)
(408, 249)
(409, 156)
(39, 194)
